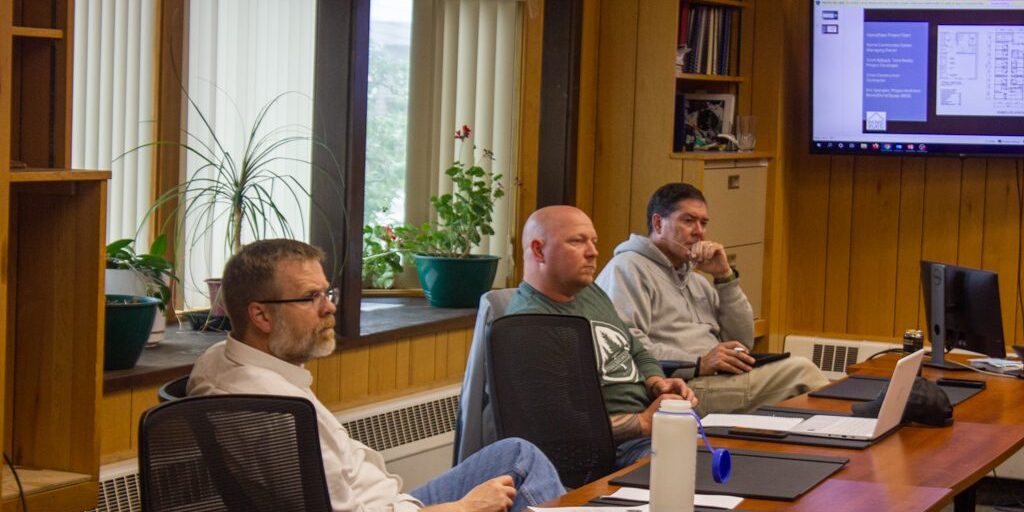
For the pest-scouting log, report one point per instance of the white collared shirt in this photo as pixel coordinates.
(356, 477)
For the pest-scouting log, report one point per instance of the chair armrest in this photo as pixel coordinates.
(669, 367)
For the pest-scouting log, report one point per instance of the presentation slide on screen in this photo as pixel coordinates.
(980, 70)
(918, 72)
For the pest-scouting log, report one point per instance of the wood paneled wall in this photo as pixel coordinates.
(345, 379)
(857, 227)
(844, 235)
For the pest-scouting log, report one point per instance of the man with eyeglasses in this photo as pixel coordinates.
(679, 315)
(282, 316)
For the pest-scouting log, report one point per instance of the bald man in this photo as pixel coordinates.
(560, 261)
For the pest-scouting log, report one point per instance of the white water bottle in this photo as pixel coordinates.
(673, 457)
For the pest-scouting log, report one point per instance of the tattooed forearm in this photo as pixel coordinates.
(625, 427)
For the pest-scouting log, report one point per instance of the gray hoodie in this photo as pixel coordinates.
(676, 313)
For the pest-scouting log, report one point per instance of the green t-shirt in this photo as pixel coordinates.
(623, 362)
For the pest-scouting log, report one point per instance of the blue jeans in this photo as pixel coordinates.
(535, 478)
(631, 451)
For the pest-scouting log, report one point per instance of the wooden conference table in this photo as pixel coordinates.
(914, 468)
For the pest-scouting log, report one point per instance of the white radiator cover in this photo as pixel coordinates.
(415, 434)
(832, 355)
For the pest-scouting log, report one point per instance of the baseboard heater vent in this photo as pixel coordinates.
(383, 430)
(832, 356)
(119, 488)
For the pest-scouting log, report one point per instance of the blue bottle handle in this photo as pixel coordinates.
(721, 459)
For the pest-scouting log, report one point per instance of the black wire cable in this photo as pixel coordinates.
(17, 479)
(886, 351)
(1020, 243)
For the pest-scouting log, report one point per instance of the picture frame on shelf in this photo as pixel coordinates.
(706, 116)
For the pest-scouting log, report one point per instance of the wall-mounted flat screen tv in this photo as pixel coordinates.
(916, 77)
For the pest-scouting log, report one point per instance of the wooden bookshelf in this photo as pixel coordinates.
(695, 77)
(42, 33)
(56, 175)
(722, 155)
(740, 4)
(52, 234)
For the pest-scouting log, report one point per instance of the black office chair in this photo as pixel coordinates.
(232, 453)
(546, 390)
(173, 390)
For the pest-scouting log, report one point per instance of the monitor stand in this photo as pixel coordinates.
(937, 332)
(939, 361)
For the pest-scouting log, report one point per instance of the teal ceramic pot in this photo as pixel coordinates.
(455, 282)
(129, 322)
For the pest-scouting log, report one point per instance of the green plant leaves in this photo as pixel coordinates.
(153, 269)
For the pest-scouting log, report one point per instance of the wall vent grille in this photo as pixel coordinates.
(119, 494)
(832, 356)
(407, 425)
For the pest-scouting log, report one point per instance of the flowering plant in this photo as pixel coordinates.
(464, 216)
(381, 260)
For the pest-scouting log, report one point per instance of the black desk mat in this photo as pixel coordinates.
(762, 475)
(864, 388)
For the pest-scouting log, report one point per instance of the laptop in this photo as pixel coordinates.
(868, 429)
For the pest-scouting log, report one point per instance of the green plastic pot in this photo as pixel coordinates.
(129, 322)
(455, 282)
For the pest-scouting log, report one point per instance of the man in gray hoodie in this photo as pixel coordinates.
(679, 315)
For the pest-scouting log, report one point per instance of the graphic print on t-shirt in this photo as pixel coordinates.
(613, 357)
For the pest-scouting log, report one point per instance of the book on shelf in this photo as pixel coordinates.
(707, 31)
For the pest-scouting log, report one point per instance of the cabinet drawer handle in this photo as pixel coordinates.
(734, 181)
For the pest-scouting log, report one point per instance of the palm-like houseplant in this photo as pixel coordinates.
(449, 274)
(240, 193)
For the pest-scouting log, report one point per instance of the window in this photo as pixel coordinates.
(464, 64)
(387, 111)
(243, 54)
(112, 98)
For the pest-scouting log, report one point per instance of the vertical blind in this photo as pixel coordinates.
(465, 71)
(113, 105)
(243, 54)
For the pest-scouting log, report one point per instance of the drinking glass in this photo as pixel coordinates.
(746, 132)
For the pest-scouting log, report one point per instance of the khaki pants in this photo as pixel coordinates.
(765, 385)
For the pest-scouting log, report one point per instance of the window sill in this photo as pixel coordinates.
(382, 319)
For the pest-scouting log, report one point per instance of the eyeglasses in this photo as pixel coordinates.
(317, 297)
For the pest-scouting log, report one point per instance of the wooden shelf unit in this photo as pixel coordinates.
(52, 234)
(739, 59)
(694, 77)
(42, 33)
(741, 4)
(722, 155)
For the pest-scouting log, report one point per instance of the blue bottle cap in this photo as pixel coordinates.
(721, 465)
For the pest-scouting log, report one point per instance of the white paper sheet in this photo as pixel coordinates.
(638, 508)
(701, 500)
(750, 421)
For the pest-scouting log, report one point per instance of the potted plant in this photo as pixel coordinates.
(238, 192)
(129, 320)
(381, 259)
(449, 274)
(149, 274)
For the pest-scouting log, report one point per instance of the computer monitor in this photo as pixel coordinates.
(962, 308)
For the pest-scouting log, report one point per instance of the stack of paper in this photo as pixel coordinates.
(994, 364)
